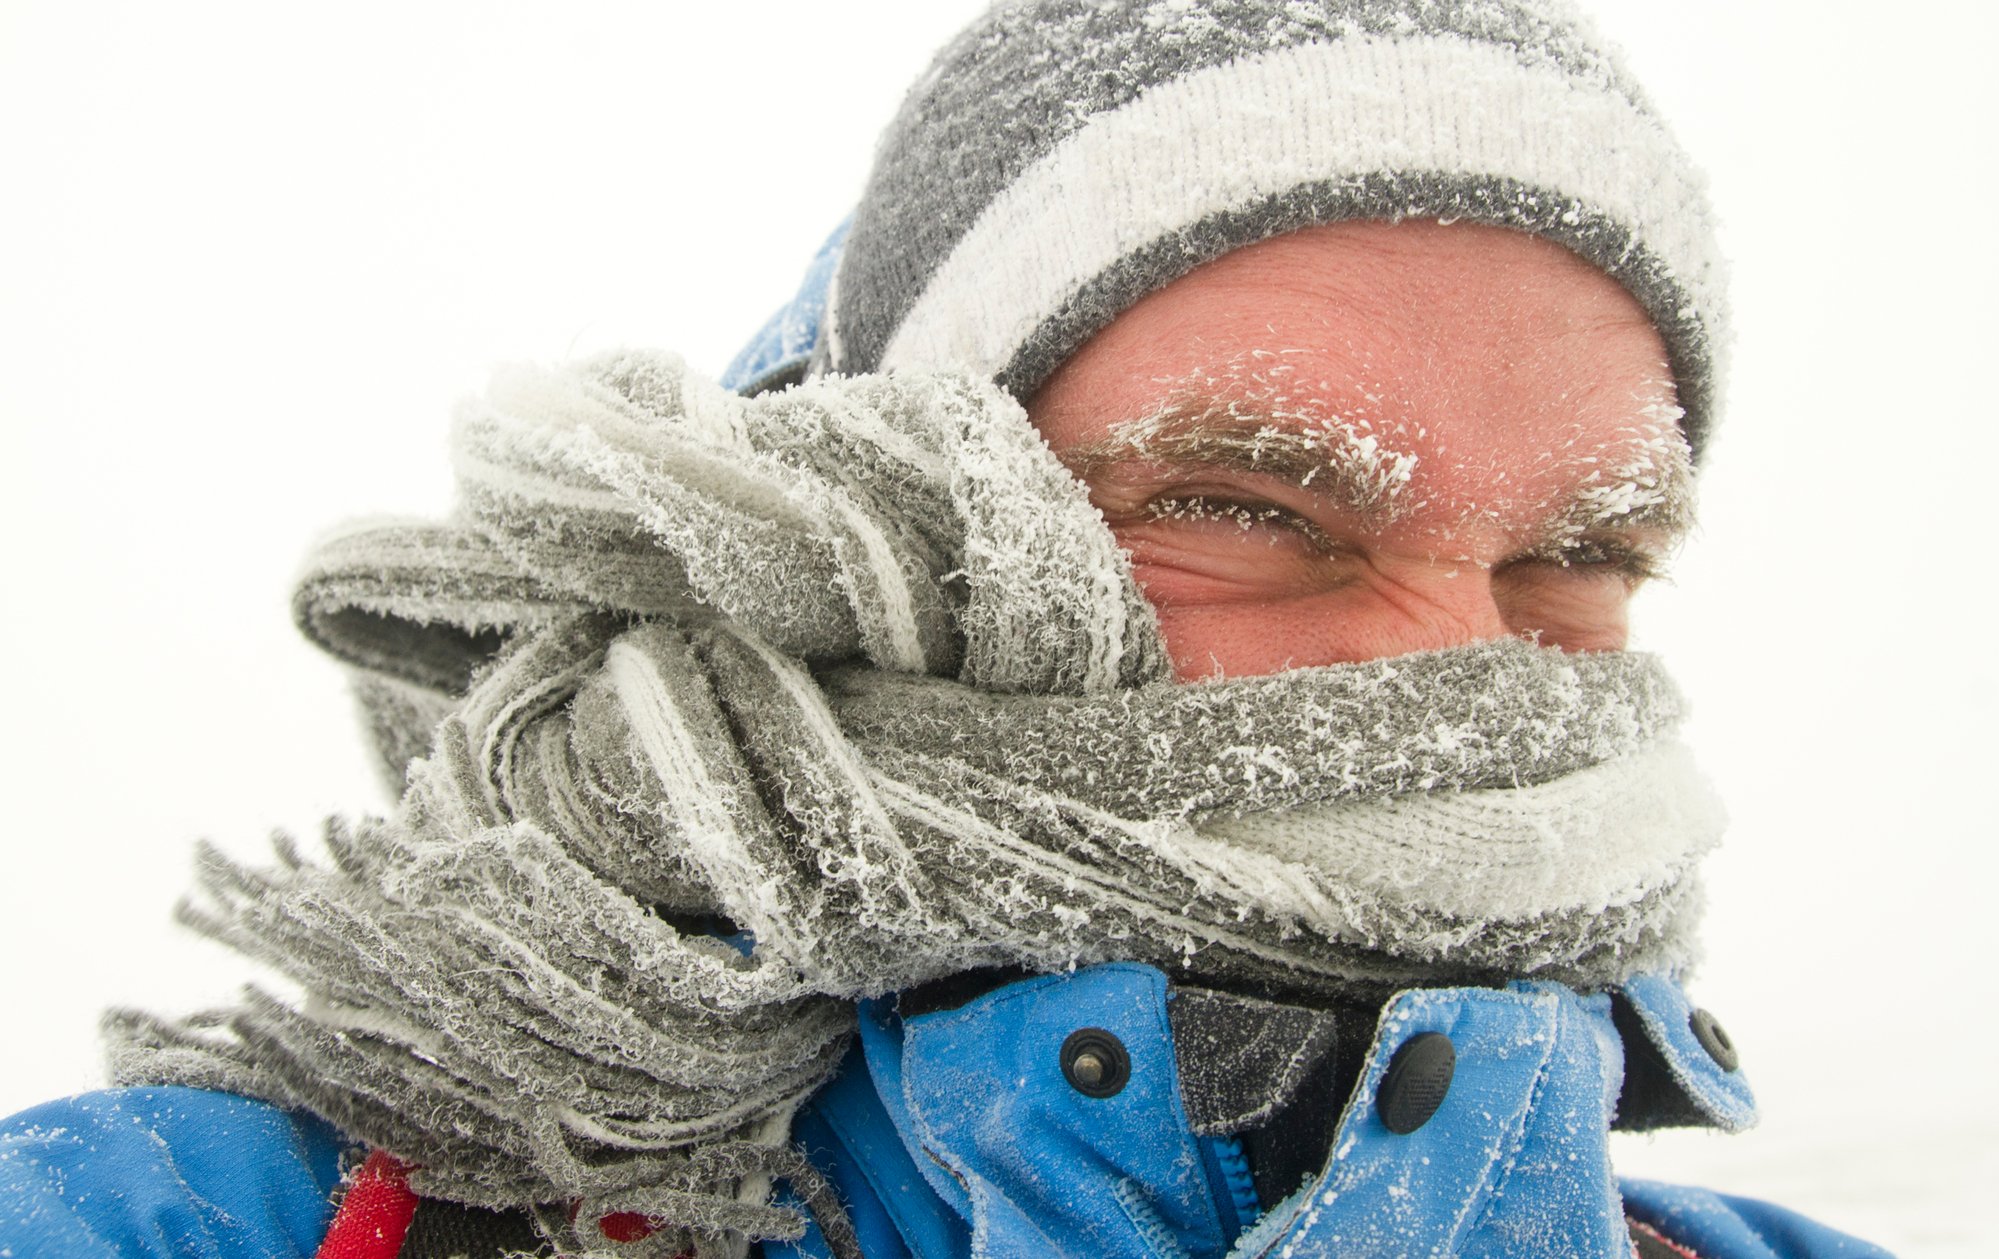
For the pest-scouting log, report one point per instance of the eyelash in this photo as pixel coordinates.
(1247, 514)
(1628, 562)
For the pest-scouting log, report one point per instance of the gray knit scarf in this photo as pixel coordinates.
(857, 669)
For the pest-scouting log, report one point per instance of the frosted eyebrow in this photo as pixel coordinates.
(1338, 460)
(1652, 487)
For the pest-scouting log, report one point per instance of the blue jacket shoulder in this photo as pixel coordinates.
(1724, 1226)
(164, 1171)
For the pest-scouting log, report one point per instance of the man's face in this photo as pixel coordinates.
(1362, 440)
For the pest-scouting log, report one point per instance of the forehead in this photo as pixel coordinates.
(1489, 356)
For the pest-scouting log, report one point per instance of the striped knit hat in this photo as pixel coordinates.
(1063, 158)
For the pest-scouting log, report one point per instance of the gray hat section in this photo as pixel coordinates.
(1610, 245)
(1031, 75)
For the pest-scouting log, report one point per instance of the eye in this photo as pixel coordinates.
(1199, 542)
(1588, 557)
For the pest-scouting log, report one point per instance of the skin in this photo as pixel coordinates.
(1367, 439)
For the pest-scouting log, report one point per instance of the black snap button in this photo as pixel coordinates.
(1095, 1063)
(1417, 1078)
(1719, 1047)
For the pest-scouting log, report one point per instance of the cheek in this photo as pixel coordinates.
(1251, 640)
(1225, 631)
(1575, 609)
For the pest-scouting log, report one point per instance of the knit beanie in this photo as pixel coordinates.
(1063, 158)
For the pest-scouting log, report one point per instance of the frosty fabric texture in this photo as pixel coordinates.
(1063, 158)
(856, 668)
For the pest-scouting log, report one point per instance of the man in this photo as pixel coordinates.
(1203, 764)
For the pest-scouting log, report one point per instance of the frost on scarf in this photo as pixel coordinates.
(856, 669)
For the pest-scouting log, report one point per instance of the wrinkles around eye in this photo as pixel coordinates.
(1202, 540)
(1186, 546)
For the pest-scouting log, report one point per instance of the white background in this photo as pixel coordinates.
(250, 255)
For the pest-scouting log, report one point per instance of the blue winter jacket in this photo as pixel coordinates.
(966, 1130)
(1097, 1115)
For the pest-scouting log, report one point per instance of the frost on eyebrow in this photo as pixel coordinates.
(1647, 481)
(1210, 423)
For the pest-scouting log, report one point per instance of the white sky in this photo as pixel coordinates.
(250, 254)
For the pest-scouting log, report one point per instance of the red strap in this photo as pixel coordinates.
(374, 1214)
(629, 1226)
(376, 1211)
(625, 1226)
